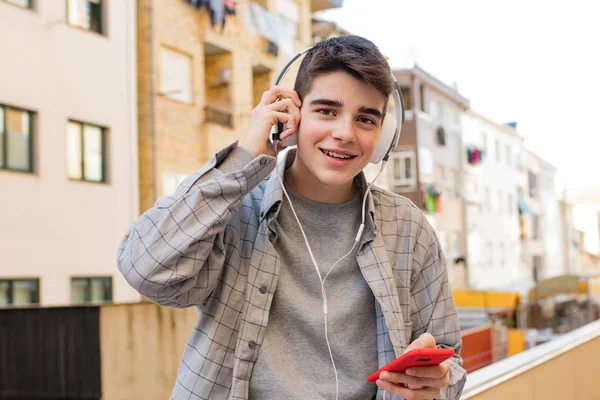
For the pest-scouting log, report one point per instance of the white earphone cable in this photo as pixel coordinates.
(314, 261)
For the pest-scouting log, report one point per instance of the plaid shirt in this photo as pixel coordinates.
(208, 246)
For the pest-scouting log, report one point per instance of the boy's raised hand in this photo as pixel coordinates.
(266, 114)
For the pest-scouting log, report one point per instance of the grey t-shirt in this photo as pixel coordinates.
(294, 362)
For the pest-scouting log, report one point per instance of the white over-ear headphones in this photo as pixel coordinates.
(390, 129)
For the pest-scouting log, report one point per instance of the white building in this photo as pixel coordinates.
(552, 225)
(68, 149)
(491, 178)
(543, 229)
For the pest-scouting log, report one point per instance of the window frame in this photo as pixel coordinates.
(28, 7)
(102, 31)
(169, 94)
(400, 156)
(4, 139)
(88, 289)
(11, 294)
(103, 131)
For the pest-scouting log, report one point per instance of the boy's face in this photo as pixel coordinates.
(340, 125)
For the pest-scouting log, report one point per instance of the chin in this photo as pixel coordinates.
(337, 178)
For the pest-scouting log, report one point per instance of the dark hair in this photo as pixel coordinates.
(355, 55)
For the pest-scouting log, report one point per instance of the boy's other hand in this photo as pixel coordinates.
(417, 383)
(266, 114)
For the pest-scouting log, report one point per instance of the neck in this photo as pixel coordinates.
(308, 186)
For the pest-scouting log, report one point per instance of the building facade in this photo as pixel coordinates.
(68, 149)
(493, 152)
(427, 165)
(200, 79)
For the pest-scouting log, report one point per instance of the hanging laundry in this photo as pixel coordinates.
(438, 203)
(200, 3)
(430, 203)
(470, 156)
(229, 7)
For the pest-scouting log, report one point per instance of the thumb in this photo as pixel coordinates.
(426, 340)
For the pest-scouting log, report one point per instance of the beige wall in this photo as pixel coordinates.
(573, 376)
(54, 228)
(141, 347)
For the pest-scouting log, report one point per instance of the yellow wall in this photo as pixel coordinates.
(141, 346)
(573, 376)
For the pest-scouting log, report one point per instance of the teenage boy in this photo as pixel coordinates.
(229, 243)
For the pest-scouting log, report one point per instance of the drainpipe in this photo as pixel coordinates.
(153, 102)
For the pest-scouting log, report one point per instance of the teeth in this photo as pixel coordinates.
(336, 155)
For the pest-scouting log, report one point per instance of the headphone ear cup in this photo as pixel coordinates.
(386, 137)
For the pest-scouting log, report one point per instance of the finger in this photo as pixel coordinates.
(400, 378)
(283, 105)
(426, 340)
(433, 371)
(276, 92)
(409, 394)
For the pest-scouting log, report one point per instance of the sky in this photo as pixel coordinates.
(530, 61)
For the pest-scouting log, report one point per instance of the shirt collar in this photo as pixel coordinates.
(273, 194)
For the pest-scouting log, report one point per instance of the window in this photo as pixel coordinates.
(535, 227)
(91, 290)
(171, 181)
(21, 3)
(537, 268)
(403, 168)
(85, 14)
(532, 179)
(175, 75)
(15, 139)
(85, 152)
(19, 292)
(287, 17)
(498, 153)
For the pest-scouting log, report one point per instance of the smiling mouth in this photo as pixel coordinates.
(338, 156)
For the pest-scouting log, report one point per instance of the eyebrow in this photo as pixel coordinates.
(335, 103)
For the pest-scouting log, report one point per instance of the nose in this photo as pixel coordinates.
(344, 130)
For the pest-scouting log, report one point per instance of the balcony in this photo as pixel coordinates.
(217, 116)
(132, 351)
(563, 368)
(320, 5)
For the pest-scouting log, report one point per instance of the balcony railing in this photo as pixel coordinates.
(218, 116)
(563, 368)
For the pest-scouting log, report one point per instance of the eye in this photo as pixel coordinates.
(325, 111)
(367, 121)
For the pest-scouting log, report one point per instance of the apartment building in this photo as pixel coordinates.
(199, 79)
(427, 165)
(68, 149)
(493, 152)
(541, 223)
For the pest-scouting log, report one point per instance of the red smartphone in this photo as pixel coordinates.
(414, 358)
